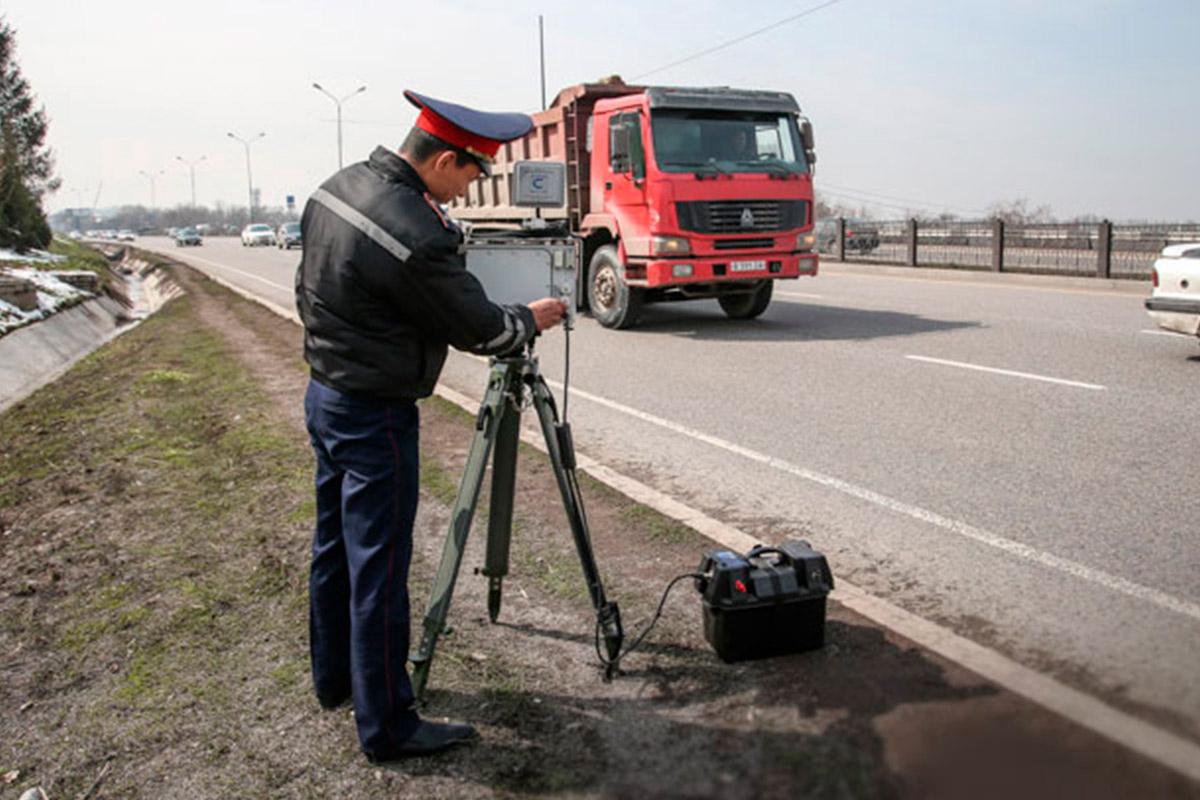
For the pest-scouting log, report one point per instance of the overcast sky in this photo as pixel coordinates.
(1089, 107)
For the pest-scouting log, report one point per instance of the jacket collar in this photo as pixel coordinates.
(391, 166)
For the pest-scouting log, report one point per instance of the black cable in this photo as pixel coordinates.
(615, 663)
(566, 366)
(741, 38)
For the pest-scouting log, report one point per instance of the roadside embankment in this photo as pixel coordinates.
(38, 352)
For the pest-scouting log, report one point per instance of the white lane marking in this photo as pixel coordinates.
(235, 270)
(1082, 709)
(799, 294)
(1169, 333)
(1004, 544)
(1011, 373)
(286, 313)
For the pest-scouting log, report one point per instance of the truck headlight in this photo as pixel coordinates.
(670, 245)
(805, 241)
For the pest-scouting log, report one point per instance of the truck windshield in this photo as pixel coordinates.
(687, 141)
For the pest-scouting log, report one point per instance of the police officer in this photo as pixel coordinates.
(382, 289)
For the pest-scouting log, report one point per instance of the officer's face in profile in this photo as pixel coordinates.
(446, 179)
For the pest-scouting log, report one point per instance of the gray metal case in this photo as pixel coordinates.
(516, 268)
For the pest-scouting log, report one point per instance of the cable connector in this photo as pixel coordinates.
(612, 660)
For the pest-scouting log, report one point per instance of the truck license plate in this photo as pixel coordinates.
(747, 266)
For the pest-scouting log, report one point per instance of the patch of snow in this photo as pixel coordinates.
(52, 294)
(31, 256)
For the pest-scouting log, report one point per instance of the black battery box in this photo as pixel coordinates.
(768, 602)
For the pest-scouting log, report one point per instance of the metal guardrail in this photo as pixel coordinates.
(1100, 249)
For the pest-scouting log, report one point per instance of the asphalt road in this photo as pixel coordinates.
(1017, 462)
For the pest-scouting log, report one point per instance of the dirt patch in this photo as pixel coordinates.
(155, 515)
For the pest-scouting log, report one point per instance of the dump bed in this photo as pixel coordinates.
(560, 133)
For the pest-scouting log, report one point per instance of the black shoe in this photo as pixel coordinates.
(429, 738)
(333, 701)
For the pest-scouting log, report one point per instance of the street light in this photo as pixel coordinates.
(338, 102)
(191, 165)
(249, 180)
(151, 175)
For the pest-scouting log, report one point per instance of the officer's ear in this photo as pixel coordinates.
(445, 159)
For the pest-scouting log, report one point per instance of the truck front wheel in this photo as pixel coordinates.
(614, 303)
(749, 305)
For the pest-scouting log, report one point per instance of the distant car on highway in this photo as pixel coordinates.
(288, 236)
(1174, 302)
(257, 234)
(861, 236)
(126, 236)
(187, 237)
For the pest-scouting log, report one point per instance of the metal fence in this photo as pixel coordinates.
(1081, 249)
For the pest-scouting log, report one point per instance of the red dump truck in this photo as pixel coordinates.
(677, 193)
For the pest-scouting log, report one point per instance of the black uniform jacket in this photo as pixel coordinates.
(383, 288)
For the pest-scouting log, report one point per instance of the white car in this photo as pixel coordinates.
(258, 234)
(1175, 302)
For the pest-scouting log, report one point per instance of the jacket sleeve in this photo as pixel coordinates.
(447, 302)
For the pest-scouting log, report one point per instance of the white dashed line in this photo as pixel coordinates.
(1010, 373)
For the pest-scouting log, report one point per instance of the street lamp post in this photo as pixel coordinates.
(249, 180)
(338, 102)
(151, 176)
(191, 165)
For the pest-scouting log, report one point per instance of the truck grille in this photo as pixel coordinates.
(743, 244)
(741, 216)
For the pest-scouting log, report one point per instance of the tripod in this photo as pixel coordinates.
(498, 425)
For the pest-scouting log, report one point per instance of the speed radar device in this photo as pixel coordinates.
(539, 184)
(536, 260)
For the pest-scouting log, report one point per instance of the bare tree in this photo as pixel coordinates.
(1020, 212)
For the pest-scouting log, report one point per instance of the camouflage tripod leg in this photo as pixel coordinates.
(504, 379)
(504, 480)
(561, 448)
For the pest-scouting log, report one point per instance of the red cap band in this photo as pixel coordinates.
(448, 132)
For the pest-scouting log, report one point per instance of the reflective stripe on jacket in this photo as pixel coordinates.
(383, 288)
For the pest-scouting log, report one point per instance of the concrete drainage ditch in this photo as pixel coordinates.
(39, 352)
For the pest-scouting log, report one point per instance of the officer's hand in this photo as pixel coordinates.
(548, 312)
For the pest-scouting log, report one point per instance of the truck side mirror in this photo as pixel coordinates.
(806, 134)
(810, 151)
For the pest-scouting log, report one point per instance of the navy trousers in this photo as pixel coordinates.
(367, 488)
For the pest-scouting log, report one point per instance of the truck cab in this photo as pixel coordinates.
(704, 192)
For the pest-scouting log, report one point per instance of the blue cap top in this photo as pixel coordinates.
(479, 133)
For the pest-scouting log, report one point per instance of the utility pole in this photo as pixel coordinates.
(338, 102)
(191, 165)
(542, 51)
(249, 179)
